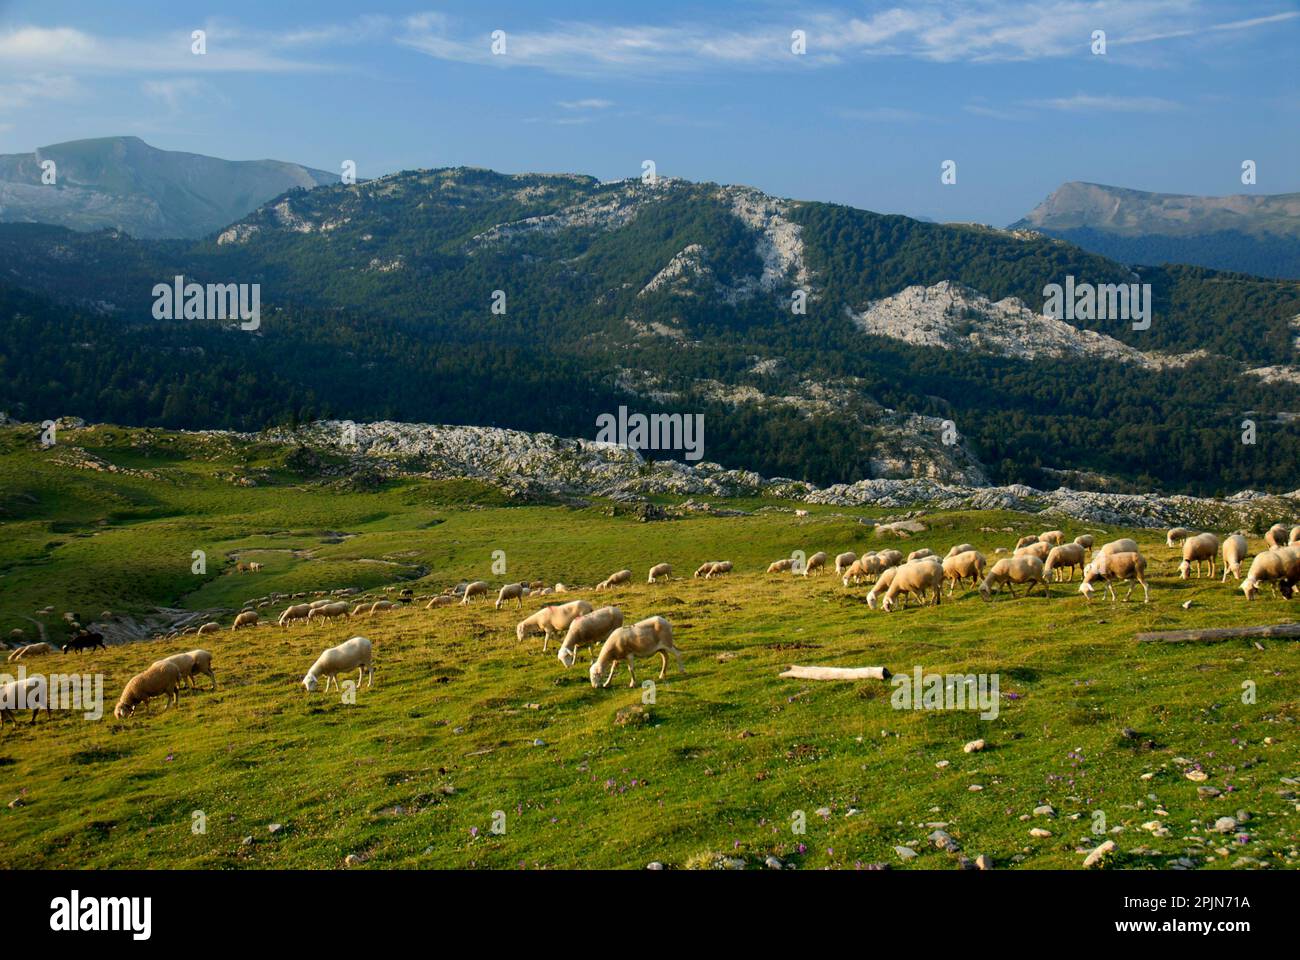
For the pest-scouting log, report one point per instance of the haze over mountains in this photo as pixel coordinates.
(123, 183)
(672, 296)
(1250, 233)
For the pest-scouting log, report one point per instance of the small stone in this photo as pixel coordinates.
(975, 746)
(1205, 793)
(654, 865)
(772, 863)
(352, 860)
(941, 764)
(944, 841)
(984, 862)
(1187, 605)
(905, 853)
(17, 802)
(975, 787)
(1096, 856)
(1147, 776)
(539, 742)
(246, 842)
(1197, 776)
(275, 828)
(1045, 810)
(1225, 825)
(1040, 832)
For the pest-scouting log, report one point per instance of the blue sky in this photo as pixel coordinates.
(886, 92)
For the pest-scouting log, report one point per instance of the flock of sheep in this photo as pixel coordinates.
(920, 575)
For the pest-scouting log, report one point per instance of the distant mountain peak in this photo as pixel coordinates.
(127, 184)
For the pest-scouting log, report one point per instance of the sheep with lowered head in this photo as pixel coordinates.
(1198, 549)
(589, 628)
(843, 561)
(327, 611)
(1277, 535)
(1039, 549)
(1235, 550)
(552, 621)
(31, 650)
(959, 566)
(475, 589)
(190, 663)
(717, 569)
(917, 578)
(1054, 537)
(512, 591)
(162, 679)
(664, 570)
(1026, 569)
(348, 654)
(643, 639)
(1280, 567)
(1065, 555)
(778, 566)
(960, 548)
(1176, 536)
(248, 618)
(298, 611)
(1113, 567)
(30, 693)
(816, 562)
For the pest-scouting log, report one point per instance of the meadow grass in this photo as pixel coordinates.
(464, 722)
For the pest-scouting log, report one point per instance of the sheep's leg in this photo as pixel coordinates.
(663, 664)
(631, 669)
(1110, 589)
(613, 668)
(1011, 590)
(1146, 594)
(370, 675)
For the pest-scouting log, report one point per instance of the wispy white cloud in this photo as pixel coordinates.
(25, 91)
(592, 103)
(1094, 103)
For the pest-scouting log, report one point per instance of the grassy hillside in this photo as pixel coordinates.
(464, 721)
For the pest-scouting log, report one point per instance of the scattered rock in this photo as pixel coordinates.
(1096, 856)
(975, 746)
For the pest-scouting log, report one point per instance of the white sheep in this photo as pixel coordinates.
(843, 561)
(778, 566)
(1203, 547)
(958, 566)
(643, 639)
(1026, 569)
(1027, 540)
(552, 621)
(1277, 536)
(210, 627)
(1235, 550)
(1175, 536)
(29, 693)
(718, 569)
(31, 650)
(246, 619)
(512, 591)
(1065, 555)
(190, 663)
(916, 578)
(1039, 549)
(664, 570)
(1054, 537)
(589, 628)
(475, 589)
(1280, 567)
(298, 611)
(920, 554)
(960, 548)
(816, 562)
(1084, 540)
(161, 679)
(704, 568)
(1122, 545)
(351, 653)
(615, 579)
(1294, 539)
(441, 600)
(1116, 567)
(328, 611)
(883, 583)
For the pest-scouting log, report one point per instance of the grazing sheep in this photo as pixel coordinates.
(1066, 555)
(816, 562)
(883, 583)
(717, 569)
(1122, 545)
(1294, 539)
(916, 578)
(552, 621)
(959, 566)
(858, 569)
(161, 679)
(960, 548)
(561, 588)
(843, 561)
(441, 600)
(1176, 536)
(615, 579)
(1280, 567)
(31, 650)
(31, 692)
(249, 619)
(1026, 541)
(1026, 568)
(664, 570)
(84, 640)
(348, 654)
(475, 589)
(382, 606)
(1112, 567)
(920, 554)
(190, 663)
(643, 639)
(704, 568)
(890, 558)
(1054, 537)
(1200, 548)
(778, 566)
(1277, 536)
(512, 591)
(536, 584)
(255, 567)
(328, 611)
(589, 628)
(210, 627)
(1235, 549)
(1039, 549)
(298, 611)
(1084, 540)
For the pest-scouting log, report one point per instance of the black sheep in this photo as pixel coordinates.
(85, 640)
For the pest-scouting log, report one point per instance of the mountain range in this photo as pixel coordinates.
(822, 343)
(1249, 233)
(123, 183)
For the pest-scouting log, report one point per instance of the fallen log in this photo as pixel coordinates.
(1219, 633)
(837, 673)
